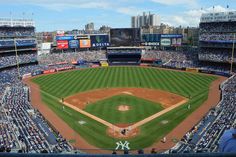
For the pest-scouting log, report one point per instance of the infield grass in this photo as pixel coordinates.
(108, 109)
(193, 86)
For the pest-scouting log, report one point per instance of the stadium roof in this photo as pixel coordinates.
(219, 17)
(17, 22)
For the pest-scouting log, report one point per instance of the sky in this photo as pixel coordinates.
(51, 15)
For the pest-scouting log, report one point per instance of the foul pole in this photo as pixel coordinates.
(232, 57)
(17, 59)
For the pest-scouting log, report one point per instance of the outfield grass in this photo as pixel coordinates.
(139, 109)
(194, 86)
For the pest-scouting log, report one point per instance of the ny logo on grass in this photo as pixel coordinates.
(124, 146)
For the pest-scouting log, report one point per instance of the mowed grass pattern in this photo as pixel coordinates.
(191, 85)
(69, 83)
(108, 109)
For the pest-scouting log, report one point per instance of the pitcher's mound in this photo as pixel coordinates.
(123, 108)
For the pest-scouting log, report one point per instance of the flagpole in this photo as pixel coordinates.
(17, 59)
(232, 57)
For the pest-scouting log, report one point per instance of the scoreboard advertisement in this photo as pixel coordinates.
(73, 44)
(85, 43)
(99, 40)
(82, 41)
(150, 39)
(62, 44)
(125, 37)
(65, 37)
(165, 42)
(171, 39)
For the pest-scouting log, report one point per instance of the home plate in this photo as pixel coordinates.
(81, 122)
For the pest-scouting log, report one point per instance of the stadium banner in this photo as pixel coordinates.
(64, 68)
(99, 40)
(66, 37)
(179, 41)
(150, 44)
(104, 64)
(85, 36)
(165, 42)
(62, 44)
(176, 42)
(73, 44)
(95, 66)
(221, 73)
(171, 36)
(85, 43)
(173, 41)
(49, 71)
(194, 70)
(35, 73)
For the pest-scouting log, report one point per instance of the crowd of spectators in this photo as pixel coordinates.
(190, 59)
(23, 128)
(220, 37)
(18, 42)
(6, 61)
(89, 56)
(216, 55)
(178, 59)
(170, 55)
(204, 137)
(225, 27)
(31, 133)
(11, 76)
(17, 32)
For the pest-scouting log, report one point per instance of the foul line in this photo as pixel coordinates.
(92, 116)
(116, 128)
(158, 114)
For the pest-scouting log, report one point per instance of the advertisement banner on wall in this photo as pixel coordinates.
(85, 43)
(62, 44)
(173, 41)
(66, 37)
(179, 42)
(99, 40)
(165, 42)
(73, 44)
(171, 36)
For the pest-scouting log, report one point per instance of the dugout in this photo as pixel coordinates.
(124, 55)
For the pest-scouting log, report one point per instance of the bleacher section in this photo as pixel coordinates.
(216, 40)
(204, 137)
(17, 37)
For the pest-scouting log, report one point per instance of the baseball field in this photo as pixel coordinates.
(148, 102)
